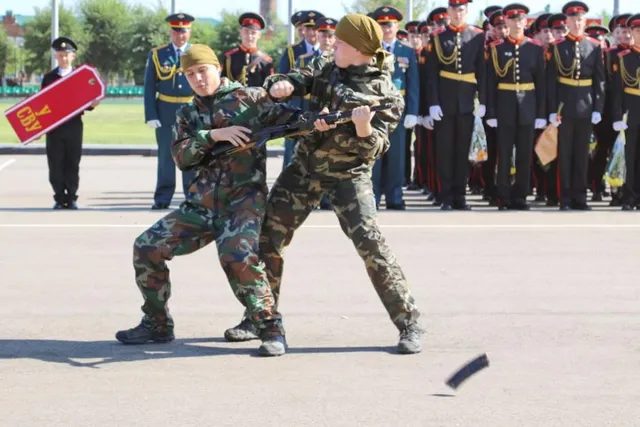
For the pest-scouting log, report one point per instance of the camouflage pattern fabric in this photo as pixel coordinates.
(338, 163)
(226, 204)
(339, 154)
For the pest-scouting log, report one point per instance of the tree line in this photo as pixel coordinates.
(115, 37)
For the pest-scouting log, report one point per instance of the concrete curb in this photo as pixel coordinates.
(105, 150)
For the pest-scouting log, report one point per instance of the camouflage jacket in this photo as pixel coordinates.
(339, 153)
(231, 104)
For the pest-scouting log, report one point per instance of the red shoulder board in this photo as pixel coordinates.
(556, 41)
(496, 43)
(534, 41)
(232, 51)
(610, 49)
(623, 53)
(592, 40)
(439, 30)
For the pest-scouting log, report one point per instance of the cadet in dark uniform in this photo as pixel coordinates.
(541, 32)
(621, 32)
(626, 99)
(422, 170)
(576, 79)
(64, 143)
(166, 90)
(486, 25)
(497, 30)
(479, 171)
(246, 64)
(516, 104)
(599, 33)
(437, 20)
(558, 27)
(415, 41)
(456, 72)
(604, 130)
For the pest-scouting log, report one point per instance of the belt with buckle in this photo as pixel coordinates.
(574, 82)
(632, 91)
(467, 77)
(175, 99)
(516, 86)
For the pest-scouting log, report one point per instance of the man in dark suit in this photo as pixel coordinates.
(64, 143)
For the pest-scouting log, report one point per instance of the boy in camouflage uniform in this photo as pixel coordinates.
(226, 203)
(337, 161)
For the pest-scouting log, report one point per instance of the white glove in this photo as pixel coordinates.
(492, 123)
(410, 121)
(427, 122)
(481, 111)
(435, 112)
(595, 118)
(553, 119)
(154, 124)
(619, 126)
(540, 124)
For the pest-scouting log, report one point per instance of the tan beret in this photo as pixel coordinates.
(198, 54)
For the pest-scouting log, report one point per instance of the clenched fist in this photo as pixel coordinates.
(362, 116)
(281, 89)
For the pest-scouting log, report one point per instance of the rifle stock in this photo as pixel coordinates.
(301, 127)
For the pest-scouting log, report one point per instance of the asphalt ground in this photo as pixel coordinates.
(552, 298)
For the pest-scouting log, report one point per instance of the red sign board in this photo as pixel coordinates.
(55, 104)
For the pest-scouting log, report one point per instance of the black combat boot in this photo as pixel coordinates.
(410, 340)
(146, 331)
(244, 331)
(273, 345)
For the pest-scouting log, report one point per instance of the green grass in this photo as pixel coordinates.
(114, 121)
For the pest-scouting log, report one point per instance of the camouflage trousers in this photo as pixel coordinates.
(235, 229)
(294, 196)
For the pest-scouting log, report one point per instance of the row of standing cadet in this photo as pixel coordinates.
(443, 177)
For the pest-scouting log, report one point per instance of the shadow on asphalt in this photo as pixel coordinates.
(119, 207)
(83, 353)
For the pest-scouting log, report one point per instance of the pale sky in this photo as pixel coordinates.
(332, 8)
